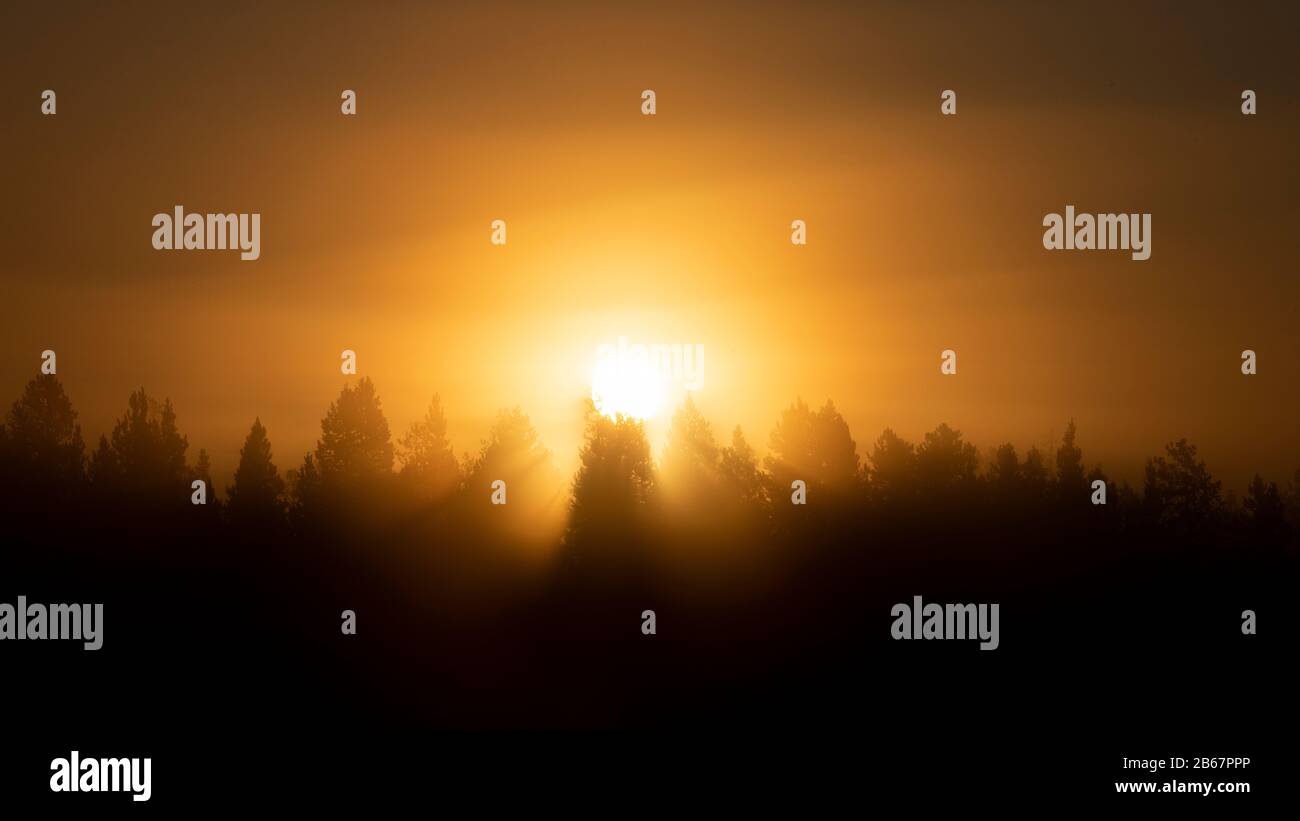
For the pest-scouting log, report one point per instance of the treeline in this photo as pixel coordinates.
(699, 489)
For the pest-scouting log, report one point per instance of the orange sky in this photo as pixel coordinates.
(924, 231)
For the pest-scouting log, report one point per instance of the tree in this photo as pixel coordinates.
(305, 491)
(42, 440)
(893, 469)
(945, 463)
(1004, 472)
(690, 461)
(149, 451)
(1179, 489)
(105, 469)
(1069, 469)
(257, 496)
(615, 482)
(428, 463)
(1096, 475)
(203, 472)
(738, 467)
(815, 447)
(1034, 476)
(1293, 502)
(1265, 507)
(513, 453)
(355, 449)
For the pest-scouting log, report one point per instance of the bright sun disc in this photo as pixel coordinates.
(630, 387)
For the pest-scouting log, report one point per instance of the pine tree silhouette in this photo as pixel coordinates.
(614, 485)
(257, 495)
(893, 473)
(41, 447)
(1070, 484)
(741, 476)
(355, 449)
(149, 452)
(945, 463)
(429, 467)
(1179, 490)
(814, 446)
(689, 466)
(513, 453)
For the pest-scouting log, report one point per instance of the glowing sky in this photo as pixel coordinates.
(924, 231)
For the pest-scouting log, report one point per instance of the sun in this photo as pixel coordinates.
(627, 386)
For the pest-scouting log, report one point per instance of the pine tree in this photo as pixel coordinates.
(690, 462)
(514, 454)
(945, 462)
(42, 438)
(614, 485)
(1069, 469)
(1179, 490)
(203, 472)
(428, 462)
(814, 446)
(355, 447)
(893, 469)
(150, 451)
(1265, 506)
(305, 491)
(257, 496)
(1004, 472)
(738, 467)
(105, 469)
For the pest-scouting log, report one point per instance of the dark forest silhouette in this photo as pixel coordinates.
(620, 489)
(528, 613)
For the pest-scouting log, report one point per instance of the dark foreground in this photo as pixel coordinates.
(771, 675)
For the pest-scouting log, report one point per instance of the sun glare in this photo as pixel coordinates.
(631, 388)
